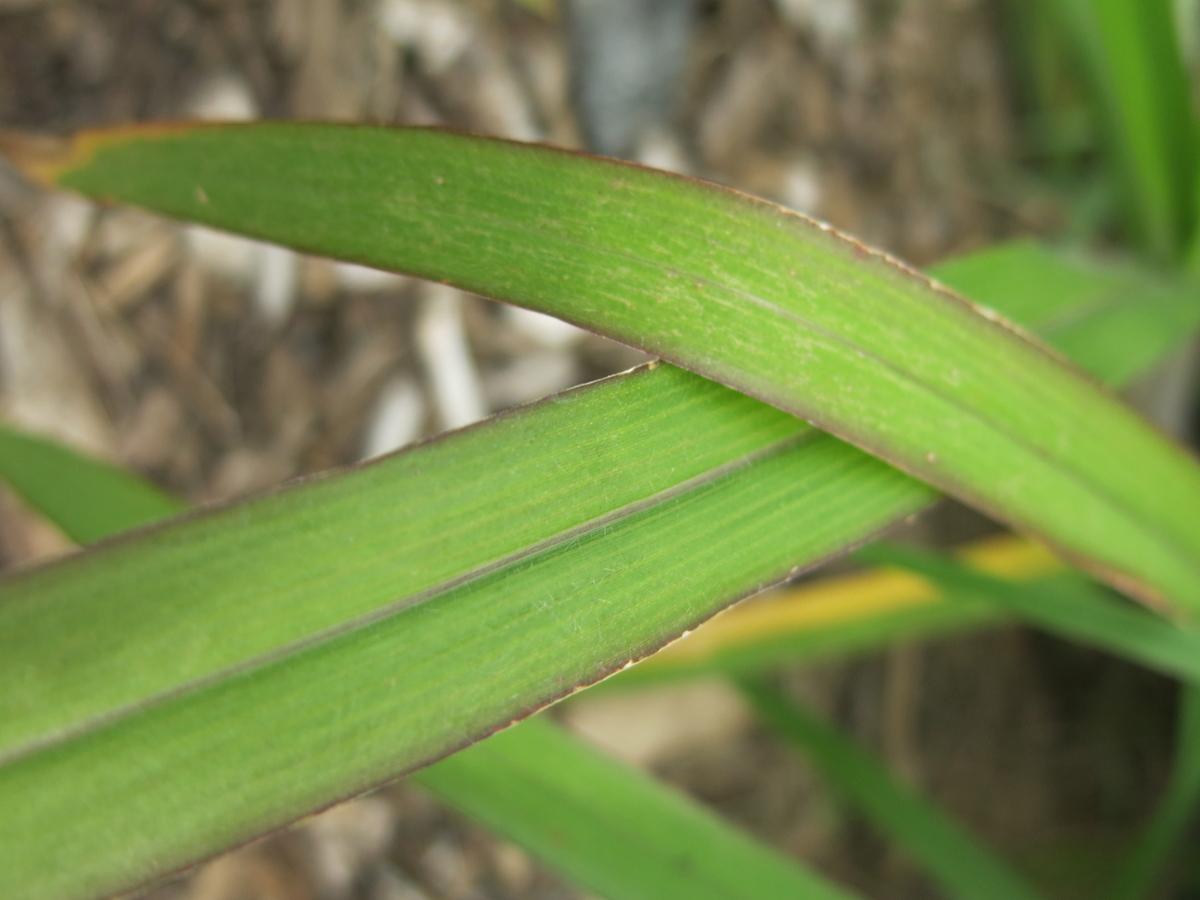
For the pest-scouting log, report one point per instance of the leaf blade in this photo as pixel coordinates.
(105, 856)
(231, 757)
(617, 832)
(703, 277)
(295, 564)
(607, 828)
(64, 486)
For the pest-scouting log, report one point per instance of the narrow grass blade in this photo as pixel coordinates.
(1175, 811)
(1058, 127)
(86, 499)
(608, 828)
(738, 290)
(961, 866)
(1131, 57)
(605, 827)
(110, 630)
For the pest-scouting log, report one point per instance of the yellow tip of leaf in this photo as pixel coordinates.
(40, 157)
(46, 158)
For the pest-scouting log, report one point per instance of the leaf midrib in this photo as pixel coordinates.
(364, 620)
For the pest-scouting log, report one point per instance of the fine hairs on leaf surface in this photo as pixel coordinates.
(644, 503)
(736, 289)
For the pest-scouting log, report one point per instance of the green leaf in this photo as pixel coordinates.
(1131, 57)
(1058, 126)
(229, 672)
(108, 630)
(619, 833)
(1175, 811)
(236, 669)
(961, 866)
(738, 290)
(604, 826)
(87, 499)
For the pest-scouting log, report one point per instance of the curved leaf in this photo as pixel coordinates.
(741, 291)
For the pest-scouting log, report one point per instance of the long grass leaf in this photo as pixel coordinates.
(605, 827)
(956, 861)
(1114, 319)
(738, 290)
(85, 498)
(112, 629)
(202, 704)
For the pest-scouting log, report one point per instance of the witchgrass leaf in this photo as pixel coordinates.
(608, 828)
(743, 292)
(602, 825)
(85, 498)
(961, 866)
(1175, 811)
(340, 552)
